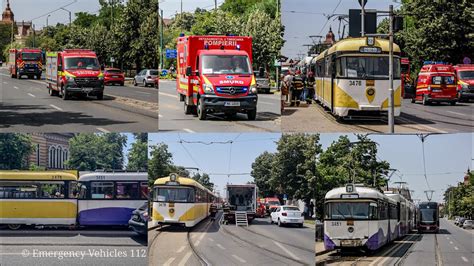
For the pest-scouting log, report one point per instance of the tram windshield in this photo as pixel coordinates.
(350, 210)
(164, 194)
(366, 67)
(428, 215)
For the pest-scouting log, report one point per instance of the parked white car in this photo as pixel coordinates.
(287, 215)
(468, 224)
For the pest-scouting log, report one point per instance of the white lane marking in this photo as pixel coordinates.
(456, 113)
(5, 82)
(169, 94)
(188, 130)
(185, 259)
(169, 261)
(286, 250)
(239, 258)
(142, 92)
(31, 95)
(447, 238)
(180, 249)
(160, 116)
(220, 246)
(464, 259)
(451, 242)
(199, 240)
(39, 82)
(456, 248)
(55, 107)
(210, 239)
(15, 87)
(103, 130)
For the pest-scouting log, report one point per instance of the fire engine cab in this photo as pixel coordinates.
(25, 62)
(74, 71)
(436, 82)
(215, 75)
(465, 76)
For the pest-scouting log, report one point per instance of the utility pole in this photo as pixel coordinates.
(362, 17)
(181, 7)
(391, 111)
(47, 23)
(161, 39)
(215, 4)
(69, 14)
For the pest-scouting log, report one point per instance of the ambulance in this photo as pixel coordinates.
(436, 82)
(214, 75)
(74, 72)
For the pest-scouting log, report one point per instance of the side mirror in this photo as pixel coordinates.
(189, 71)
(102, 67)
(60, 68)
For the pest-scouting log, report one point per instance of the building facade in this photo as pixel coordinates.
(51, 150)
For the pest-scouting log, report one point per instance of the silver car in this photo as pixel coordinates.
(468, 224)
(263, 81)
(146, 77)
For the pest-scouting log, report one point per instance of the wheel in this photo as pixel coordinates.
(14, 226)
(65, 94)
(144, 83)
(453, 103)
(252, 114)
(201, 109)
(279, 223)
(52, 92)
(271, 221)
(122, 84)
(134, 82)
(100, 96)
(300, 225)
(425, 100)
(413, 100)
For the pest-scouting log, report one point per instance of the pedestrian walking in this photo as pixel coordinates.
(297, 86)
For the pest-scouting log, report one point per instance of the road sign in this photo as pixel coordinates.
(362, 2)
(285, 197)
(466, 60)
(112, 60)
(277, 63)
(171, 53)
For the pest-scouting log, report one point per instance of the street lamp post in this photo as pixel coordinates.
(47, 23)
(69, 14)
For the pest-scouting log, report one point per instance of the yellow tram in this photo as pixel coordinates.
(180, 201)
(352, 77)
(37, 198)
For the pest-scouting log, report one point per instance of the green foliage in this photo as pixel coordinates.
(89, 152)
(5, 39)
(438, 30)
(160, 163)
(138, 153)
(14, 151)
(262, 172)
(460, 199)
(204, 180)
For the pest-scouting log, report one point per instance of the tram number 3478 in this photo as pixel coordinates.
(355, 83)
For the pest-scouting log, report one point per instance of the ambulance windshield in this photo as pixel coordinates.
(225, 64)
(89, 63)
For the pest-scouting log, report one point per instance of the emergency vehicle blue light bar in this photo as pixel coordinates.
(434, 63)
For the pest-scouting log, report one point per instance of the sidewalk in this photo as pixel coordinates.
(320, 250)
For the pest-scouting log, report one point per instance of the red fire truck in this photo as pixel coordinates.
(465, 75)
(436, 82)
(74, 71)
(25, 62)
(408, 90)
(214, 74)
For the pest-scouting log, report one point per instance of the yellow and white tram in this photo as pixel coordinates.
(180, 200)
(37, 198)
(352, 77)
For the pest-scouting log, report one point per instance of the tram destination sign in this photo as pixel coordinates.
(350, 196)
(370, 50)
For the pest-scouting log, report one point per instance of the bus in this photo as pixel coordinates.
(428, 220)
(181, 201)
(37, 198)
(352, 77)
(109, 198)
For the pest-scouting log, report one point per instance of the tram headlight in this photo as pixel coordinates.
(350, 229)
(173, 177)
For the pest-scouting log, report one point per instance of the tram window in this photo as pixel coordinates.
(82, 191)
(126, 190)
(102, 190)
(52, 190)
(73, 190)
(15, 190)
(349, 210)
(367, 67)
(144, 190)
(174, 194)
(373, 213)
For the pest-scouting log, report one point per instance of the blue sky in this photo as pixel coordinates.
(447, 156)
(171, 7)
(303, 18)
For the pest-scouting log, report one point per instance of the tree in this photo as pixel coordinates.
(438, 31)
(204, 180)
(14, 151)
(5, 38)
(262, 172)
(138, 153)
(160, 163)
(89, 152)
(217, 23)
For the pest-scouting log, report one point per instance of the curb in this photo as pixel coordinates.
(323, 252)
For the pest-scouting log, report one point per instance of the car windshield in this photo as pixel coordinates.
(466, 74)
(165, 194)
(31, 56)
(348, 210)
(274, 202)
(291, 209)
(366, 67)
(154, 72)
(438, 80)
(89, 63)
(226, 64)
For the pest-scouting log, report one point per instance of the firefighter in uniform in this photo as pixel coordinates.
(298, 86)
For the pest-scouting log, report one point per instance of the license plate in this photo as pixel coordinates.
(87, 89)
(437, 90)
(115, 76)
(232, 104)
(294, 220)
(351, 243)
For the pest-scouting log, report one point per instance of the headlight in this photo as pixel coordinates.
(464, 86)
(253, 89)
(208, 89)
(101, 78)
(69, 78)
(429, 88)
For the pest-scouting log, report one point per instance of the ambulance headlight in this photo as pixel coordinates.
(253, 89)
(464, 86)
(69, 78)
(208, 89)
(101, 78)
